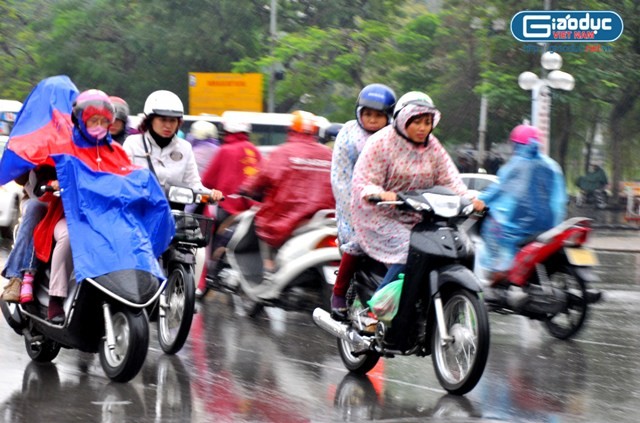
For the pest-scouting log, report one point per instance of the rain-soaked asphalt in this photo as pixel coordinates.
(281, 368)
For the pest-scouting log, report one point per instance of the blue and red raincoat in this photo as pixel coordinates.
(117, 215)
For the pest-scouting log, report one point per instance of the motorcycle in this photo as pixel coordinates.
(176, 305)
(441, 312)
(306, 265)
(554, 270)
(105, 315)
(599, 197)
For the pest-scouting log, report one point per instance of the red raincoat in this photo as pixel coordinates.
(295, 182)
(236, 160)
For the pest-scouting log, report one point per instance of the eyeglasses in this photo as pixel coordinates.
(98, 120)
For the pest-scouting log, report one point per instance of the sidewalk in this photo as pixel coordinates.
(622, 241)
(611, 231)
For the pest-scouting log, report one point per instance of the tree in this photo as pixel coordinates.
(18, 56)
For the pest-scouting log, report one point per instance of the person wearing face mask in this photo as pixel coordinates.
(158, 146)
(401, 157)
(91, 142)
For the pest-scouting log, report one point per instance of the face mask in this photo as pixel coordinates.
(98, 132)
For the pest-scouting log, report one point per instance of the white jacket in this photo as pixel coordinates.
(174, 165)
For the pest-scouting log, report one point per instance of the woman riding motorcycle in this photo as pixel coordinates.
(92, 114)
(158, 146)
(401, 157)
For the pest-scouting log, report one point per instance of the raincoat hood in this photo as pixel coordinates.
(410, 111)
(300, 137)
(207, 141)
(527, 151)
(234, 137)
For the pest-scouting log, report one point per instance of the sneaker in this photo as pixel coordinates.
(11, 293)
(338, 307)
(26, 293)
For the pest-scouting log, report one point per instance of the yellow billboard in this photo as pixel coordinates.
(215, 93)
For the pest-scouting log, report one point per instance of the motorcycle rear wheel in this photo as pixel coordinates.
(459, 364)
(42, 352)
(566, 324)
(180, 299)
(360, 364)
(131, 331)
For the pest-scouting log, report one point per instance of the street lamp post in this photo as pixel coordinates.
(271, 101)
(540, 94)
(497, 25)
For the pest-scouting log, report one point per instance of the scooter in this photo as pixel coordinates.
(554, 270)
(306, 266)
(106, 314)
(176, 304)
(440, 311)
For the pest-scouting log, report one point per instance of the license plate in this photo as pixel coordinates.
(330, 274)
(581, 256)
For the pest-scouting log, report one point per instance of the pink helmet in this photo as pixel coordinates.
(522, 134)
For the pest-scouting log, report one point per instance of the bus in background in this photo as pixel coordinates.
(267, 129)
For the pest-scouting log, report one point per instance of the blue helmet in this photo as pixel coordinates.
(377, 97)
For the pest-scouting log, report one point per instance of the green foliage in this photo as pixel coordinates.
(329, 50)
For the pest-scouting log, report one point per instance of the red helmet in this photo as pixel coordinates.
(523, 134)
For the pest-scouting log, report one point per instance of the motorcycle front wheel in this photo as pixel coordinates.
(567, 323)
(131, 332)
(460, 360)
(177, 303)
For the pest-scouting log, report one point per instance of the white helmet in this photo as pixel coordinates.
(203, 130)
(412, 97)
(234, 124)
(163, 103)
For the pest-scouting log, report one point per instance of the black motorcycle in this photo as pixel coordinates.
(441, 312)
(176, 304)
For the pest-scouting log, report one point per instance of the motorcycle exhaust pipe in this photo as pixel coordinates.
(339, 329)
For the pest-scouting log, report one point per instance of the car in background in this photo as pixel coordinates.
(11, 192)
(478, 182)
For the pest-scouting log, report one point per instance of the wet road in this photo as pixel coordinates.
(281, 368)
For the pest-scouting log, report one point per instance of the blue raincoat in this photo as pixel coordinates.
(530, 198)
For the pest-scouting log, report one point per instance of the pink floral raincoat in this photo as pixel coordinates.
(390, 162)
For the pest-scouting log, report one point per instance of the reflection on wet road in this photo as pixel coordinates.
(281, 368)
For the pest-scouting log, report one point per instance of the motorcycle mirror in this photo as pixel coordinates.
(180, 195)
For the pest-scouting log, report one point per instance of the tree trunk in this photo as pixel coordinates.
(620, 109)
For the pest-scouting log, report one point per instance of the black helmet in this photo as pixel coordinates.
(329, 133)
